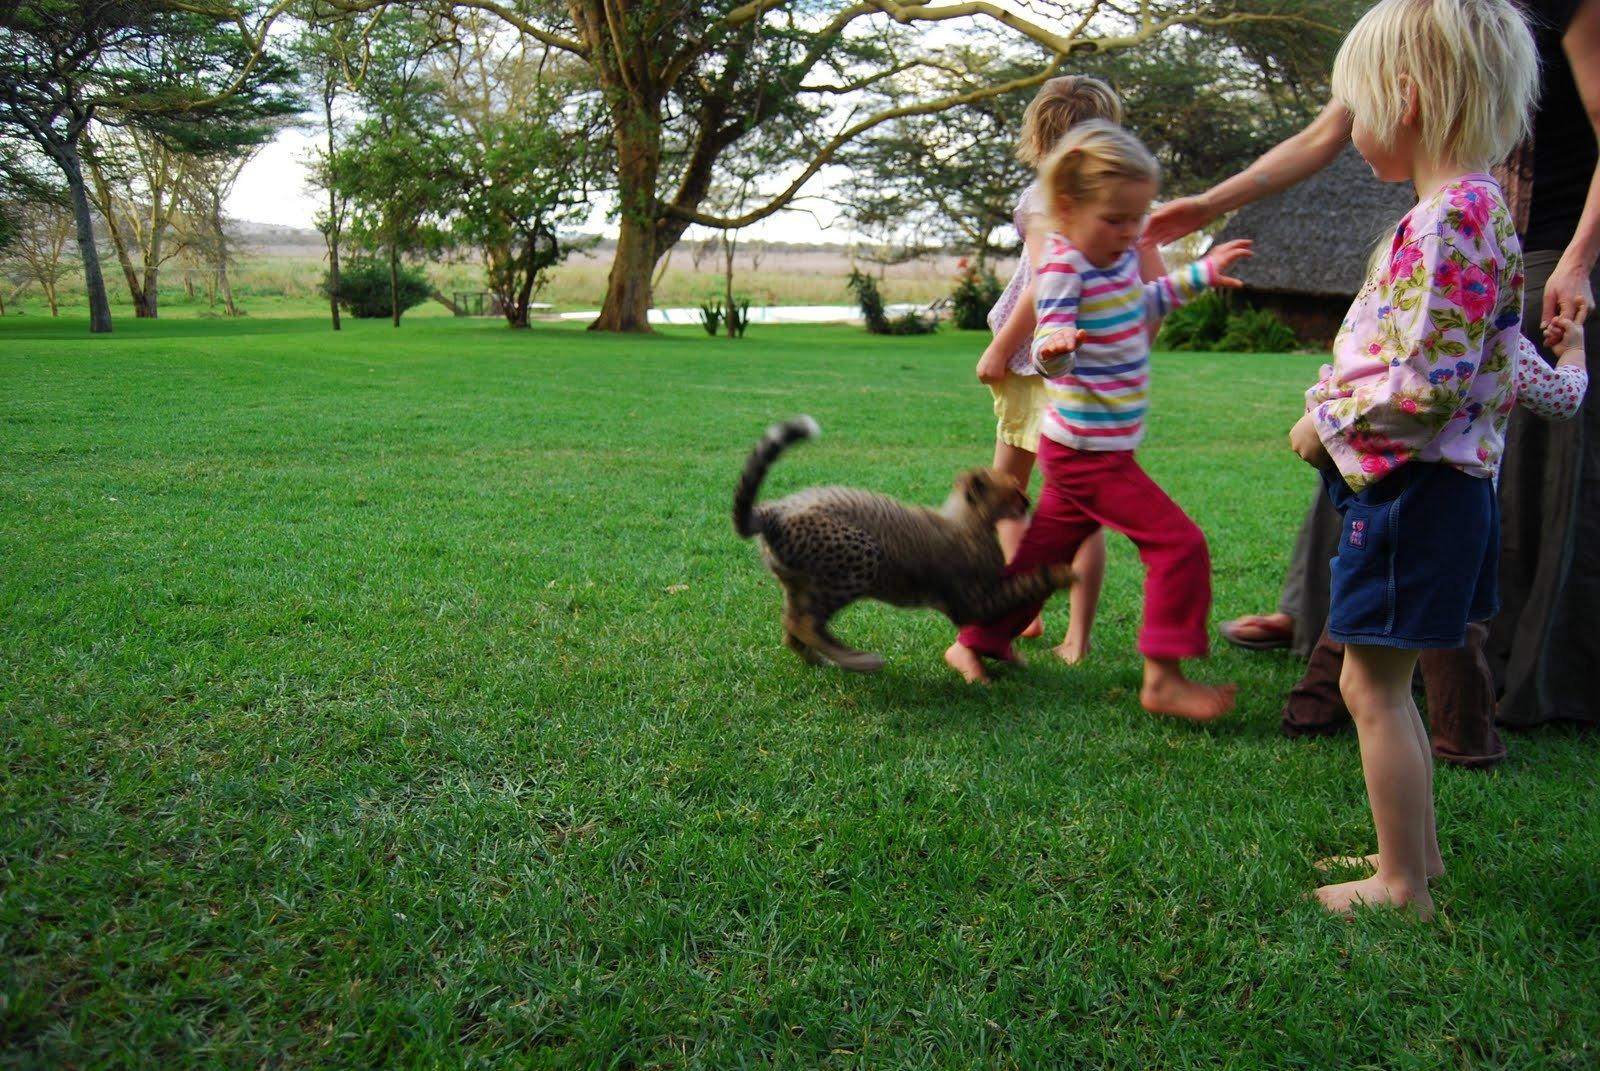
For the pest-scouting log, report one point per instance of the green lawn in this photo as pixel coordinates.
(405, 698)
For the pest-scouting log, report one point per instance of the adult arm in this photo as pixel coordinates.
(1568, 293)
(1289, 162)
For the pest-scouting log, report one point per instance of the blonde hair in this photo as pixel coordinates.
(1089, 158)
(1474, 65)
(1061, 104)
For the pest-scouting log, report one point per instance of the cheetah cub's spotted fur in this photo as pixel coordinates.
(830, 546)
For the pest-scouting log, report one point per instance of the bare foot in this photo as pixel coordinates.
(1071, 650)
(1183, 698)
(1035, 629)
(1344, 898)
(967, 662)
(1433, 868)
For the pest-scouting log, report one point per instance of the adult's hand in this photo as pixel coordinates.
(1175, 219)
(1567, 293)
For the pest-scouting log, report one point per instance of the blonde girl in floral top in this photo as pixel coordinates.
(1408, 422)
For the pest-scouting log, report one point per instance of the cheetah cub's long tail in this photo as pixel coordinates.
(779, 437)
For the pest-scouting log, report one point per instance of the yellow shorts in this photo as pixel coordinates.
(1018, 410)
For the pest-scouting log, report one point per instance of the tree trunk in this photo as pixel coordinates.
(729, 246)
(227, 290)
(50, 296)
(188, 284)
(394, 283)
(94, 281)
(517, 311)
(332, 233)
(627, 303)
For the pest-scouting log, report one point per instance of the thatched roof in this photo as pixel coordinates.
(1315, 238)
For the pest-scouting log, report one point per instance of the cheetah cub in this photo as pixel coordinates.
(829, 546)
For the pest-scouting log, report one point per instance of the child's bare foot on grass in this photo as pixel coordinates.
(1344, 898)
(969, 663)
(1433, 868)
(1182, 698)
(1072, 650)
(1034, 630)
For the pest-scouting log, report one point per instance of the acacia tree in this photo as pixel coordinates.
(683, 81)
(1202, 102)
(393, 169)
(38, 246)
(193, 74)
(524, 157)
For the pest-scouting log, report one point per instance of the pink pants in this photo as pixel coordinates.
(1083, 490)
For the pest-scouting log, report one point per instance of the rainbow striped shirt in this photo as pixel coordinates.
(1098, 395)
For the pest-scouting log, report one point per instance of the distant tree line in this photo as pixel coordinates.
(497, 126)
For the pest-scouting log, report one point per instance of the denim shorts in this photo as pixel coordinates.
(1418, 557)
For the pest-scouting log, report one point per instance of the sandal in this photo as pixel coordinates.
(1256, 632)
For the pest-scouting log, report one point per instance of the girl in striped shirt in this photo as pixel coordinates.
(1092, 345)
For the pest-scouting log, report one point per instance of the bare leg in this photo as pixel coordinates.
(1395, 759)
(1167, 691)
(1089, 564)
(1432, 861)
(1018, 463)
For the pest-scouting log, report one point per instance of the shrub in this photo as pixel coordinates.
(878, 322)
(1255, 331)
(711, 316)
(364, 288)
(975, 294)
(1194, 326)
(1207, 325)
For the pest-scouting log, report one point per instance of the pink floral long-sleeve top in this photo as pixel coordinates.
(1423, 365)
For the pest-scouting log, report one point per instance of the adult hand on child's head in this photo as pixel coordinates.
(1567, 293)
(1175, 219)
(1224, 256)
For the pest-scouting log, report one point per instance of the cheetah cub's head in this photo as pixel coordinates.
(985, 496)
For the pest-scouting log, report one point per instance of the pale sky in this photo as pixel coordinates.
(272, 189)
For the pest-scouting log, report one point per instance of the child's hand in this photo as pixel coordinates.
(1054, 354)
(1224, 256)
(992, 366)
(1564, 338)
(1303, 440)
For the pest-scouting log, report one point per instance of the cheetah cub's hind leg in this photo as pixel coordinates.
(828, 571)
(790, 623)
(811, 628)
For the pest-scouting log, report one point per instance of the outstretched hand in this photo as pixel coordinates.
(1053, 351)
(1175, 219)
(1224, 257)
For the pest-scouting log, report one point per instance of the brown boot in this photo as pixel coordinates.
(1315, 707)
(1461, 703)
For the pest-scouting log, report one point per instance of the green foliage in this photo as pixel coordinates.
(1209, 324)
(365, 290)
(1194, 326)
(877, 319)
(738, 317)
(975, 294)
(711, 316)
(1255, 331)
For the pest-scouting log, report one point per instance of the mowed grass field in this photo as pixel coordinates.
(404, 698)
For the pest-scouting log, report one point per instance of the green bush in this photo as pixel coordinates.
(1194, 326)
(1207, 324)
(364, 290)
(1255, 331)
(975, 294)
(878, 322)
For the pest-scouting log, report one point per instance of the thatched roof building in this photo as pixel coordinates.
(1313, 242)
